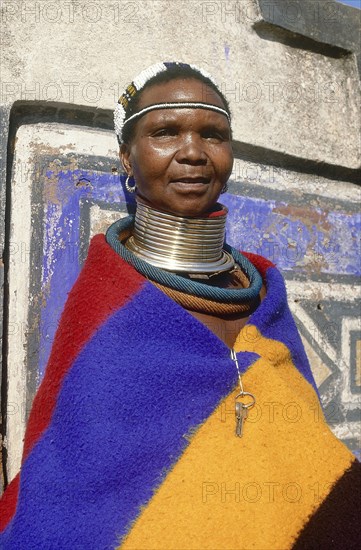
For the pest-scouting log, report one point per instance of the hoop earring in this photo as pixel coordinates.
(225, 188)
(128, 187)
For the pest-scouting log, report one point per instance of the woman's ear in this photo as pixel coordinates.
(124, 155)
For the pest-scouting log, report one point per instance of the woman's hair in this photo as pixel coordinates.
(157, 74)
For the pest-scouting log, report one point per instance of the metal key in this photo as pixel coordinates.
(241, 415)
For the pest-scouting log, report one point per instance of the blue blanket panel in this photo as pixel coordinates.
(123, 417)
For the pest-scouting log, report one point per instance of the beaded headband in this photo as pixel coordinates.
(140, 81)
(180, 105)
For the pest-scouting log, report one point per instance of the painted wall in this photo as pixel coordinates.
(291, 75)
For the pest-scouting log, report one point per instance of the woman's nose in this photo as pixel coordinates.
(191, 150)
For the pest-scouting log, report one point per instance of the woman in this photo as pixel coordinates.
(156, 425)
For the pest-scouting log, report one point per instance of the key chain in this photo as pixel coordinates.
(242, 408)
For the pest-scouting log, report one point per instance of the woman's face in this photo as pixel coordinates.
(180, 158)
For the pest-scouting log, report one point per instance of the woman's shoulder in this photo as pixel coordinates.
(104, 267)
(260, 262)
(105, 283)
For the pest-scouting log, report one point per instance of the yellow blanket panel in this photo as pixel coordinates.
(253, 492)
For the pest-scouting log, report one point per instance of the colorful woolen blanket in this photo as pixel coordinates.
(131, 439)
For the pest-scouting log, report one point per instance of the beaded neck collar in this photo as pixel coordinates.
(183, 284)
(181, 244)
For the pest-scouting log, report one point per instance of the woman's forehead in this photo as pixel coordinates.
(191, 116)
(178, 90)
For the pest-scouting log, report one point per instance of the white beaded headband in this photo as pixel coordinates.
(178, 105)
(139, 83)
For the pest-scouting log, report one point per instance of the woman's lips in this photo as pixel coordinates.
(190, 185)
(192, 180)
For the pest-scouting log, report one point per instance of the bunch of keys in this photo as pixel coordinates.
(242, 411)
(241, 408)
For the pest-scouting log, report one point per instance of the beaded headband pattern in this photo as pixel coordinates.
(178, 105)
(140, 81)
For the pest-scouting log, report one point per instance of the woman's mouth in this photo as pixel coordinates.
(190, 185)
(192, 180)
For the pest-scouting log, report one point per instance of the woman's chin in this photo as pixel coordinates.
(191, 208)
(188, 204)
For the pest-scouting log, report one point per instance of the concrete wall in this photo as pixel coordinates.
(291, 73)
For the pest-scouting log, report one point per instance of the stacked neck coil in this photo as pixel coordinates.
(173, 243)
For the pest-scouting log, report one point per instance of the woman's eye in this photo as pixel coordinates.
(165, 132)
(214, 134)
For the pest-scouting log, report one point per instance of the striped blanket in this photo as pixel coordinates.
(131, 439)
